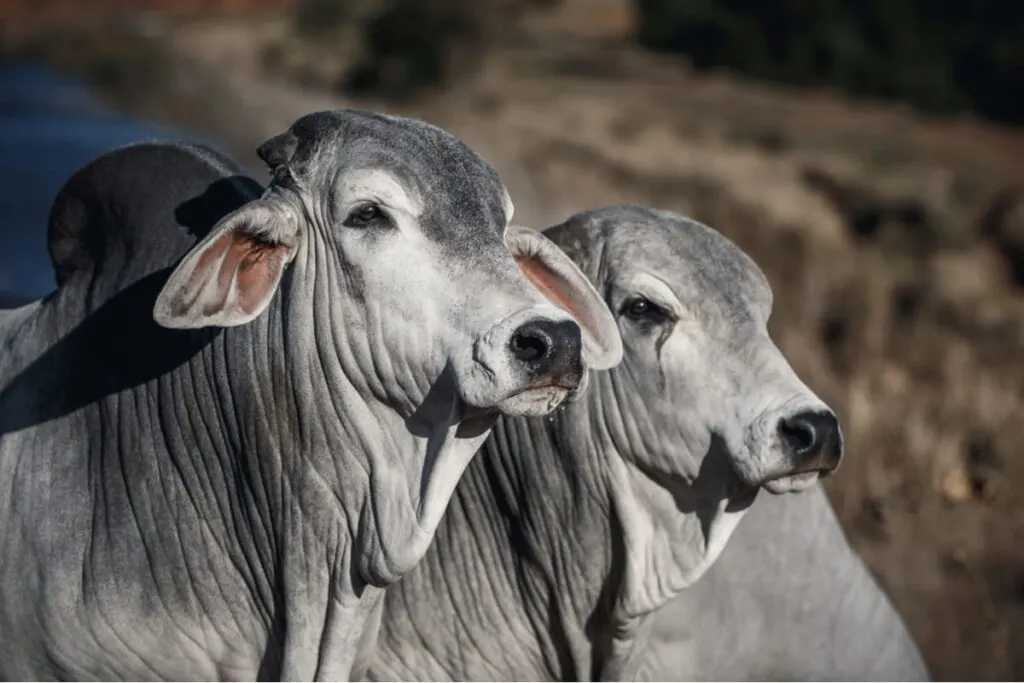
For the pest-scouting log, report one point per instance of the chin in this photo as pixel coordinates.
(534, 402)
(793, 483)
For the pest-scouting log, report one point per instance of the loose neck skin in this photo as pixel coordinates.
(523, 566)
(520, 564)
(554, 552)
(229, 528)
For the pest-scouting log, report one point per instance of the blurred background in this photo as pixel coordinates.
(864, 153)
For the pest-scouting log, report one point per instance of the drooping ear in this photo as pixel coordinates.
(565, 285)
(230, 277)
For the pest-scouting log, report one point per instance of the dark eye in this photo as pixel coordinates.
(363, 215)
(639, 307)
(643, 310)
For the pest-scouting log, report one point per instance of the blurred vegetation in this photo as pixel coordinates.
(127, 57)
(411, 45)
(940, 56)
(320, 17)
(408, 45)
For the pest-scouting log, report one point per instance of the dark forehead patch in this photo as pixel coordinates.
(463, 194)
(703, 267)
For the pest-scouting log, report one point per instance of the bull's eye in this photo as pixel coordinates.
(644, 310)
(639, 307)
(363, 215)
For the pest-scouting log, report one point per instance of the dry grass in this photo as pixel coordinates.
(896, 296)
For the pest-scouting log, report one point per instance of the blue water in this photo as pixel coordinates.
(50, 127)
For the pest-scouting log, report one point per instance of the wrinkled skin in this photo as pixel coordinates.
(215, 454)
(788, 600)
(567, 533)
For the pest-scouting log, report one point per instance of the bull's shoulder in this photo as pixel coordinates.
(135, 210)
(14, 310)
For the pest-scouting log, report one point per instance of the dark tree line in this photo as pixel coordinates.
(940, 55)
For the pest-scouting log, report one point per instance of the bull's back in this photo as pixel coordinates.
(14, 313)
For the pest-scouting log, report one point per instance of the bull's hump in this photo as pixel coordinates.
(139, 208)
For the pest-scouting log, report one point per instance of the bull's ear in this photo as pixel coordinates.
(230, 277)
(277, 152)
(565, 285)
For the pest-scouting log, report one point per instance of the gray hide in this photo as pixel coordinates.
(788, 600)
(568, 532)
(211, 469)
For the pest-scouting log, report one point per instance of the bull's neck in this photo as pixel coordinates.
(261, 443)
(533, 515)
(257, 428)
(568, 531)
(538, 515)
(311, 443)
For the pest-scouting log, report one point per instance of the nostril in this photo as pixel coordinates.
(528, 345)
(797, 433)
(548, 349)
(813, 434)
(811, 442)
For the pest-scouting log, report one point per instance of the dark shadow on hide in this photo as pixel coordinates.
(434, 410)
(199, 214)
(715, 469)
(117, 347)
(127, 249)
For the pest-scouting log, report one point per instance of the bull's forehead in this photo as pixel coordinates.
(707, 272)
(461, 194)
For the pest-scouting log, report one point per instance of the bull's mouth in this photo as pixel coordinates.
(792, 480)
(531, 401)
(535, 401)
(799, 478)
(792, 483)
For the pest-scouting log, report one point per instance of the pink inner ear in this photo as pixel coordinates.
(247, 264)
(200, 275)
(552, 287)
(258, 266)
(258, 272)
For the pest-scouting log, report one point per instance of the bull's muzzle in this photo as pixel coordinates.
(813, 441)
